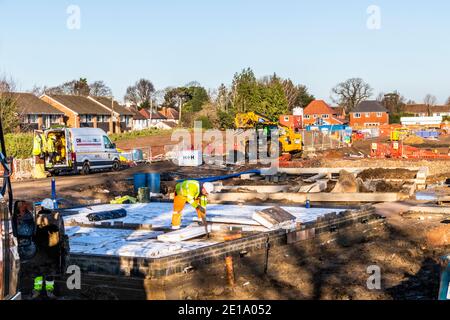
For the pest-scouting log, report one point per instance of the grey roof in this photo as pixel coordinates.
(80, 104)
(28, 103)
(117, 107)
(370, 106)
(136, 114)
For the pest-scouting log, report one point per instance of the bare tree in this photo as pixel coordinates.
(38, 91)
(99, 89)
(291, 92)
(140, 94)
(75, 87)
(430, 100)
(380, 97)
(448, 101)
(350, 93)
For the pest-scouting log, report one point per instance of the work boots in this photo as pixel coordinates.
(35, 295)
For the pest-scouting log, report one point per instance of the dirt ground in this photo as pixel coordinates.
(103, 187)
(382, 173)
(406, 251)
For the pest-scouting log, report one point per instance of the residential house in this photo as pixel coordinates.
(152, 117)
(166, 125)
(369, 114)
(120, 113)
(417, 110)
(171, 114)
(423, 110)
(292, 121)
(341, 114)
(318, 112)
(34, 113)
(139, 121)
(440, 111)
(82, 112)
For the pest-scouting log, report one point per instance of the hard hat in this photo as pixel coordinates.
(208, 186)
(48, 204)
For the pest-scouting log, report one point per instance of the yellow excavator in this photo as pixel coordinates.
(290, 142)
(399, 134)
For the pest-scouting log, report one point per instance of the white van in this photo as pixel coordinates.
(81, 150)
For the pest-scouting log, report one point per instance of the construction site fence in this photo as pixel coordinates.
(320, 141)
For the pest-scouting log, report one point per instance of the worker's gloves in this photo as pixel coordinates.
(202, 209)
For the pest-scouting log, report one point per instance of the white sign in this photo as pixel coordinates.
(190, 158)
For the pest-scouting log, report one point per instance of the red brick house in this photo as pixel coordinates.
(318, 112)
(82, 112)
(369, 114)
(34, 113)
(171, 114)
(291, 121)
(340, 112)
(152, 118)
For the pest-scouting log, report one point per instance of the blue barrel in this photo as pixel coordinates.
(140, 181)
(154, 182)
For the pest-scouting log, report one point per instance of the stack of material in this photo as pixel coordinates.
(347, 183)
(274, 217)
(184, 234)
(107, 215)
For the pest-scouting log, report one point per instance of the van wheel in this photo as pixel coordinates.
(86, 169)
(116, 165)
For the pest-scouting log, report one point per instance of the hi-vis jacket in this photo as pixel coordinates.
(191, 189)
(38, 145)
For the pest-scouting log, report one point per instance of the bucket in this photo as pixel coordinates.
(143, 195)
(140, 181)
(307, 204)
(154, 182)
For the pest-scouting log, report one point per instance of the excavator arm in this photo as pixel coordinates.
(251, 120)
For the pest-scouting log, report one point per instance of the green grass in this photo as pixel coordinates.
(138, 134)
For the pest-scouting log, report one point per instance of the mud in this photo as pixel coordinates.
(381, 173)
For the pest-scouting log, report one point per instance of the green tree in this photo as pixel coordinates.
(8, 107)
(266, 97)
(304, 98)
(206, 122)
(9, 113)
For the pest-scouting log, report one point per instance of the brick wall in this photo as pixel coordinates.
(368, 118)
(70, 117)
(160, 267)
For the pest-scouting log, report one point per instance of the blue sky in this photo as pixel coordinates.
(172, 42)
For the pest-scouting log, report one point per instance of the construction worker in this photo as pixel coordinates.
(193, 192)
(51, 149)
(38, 146)
(43, 247)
